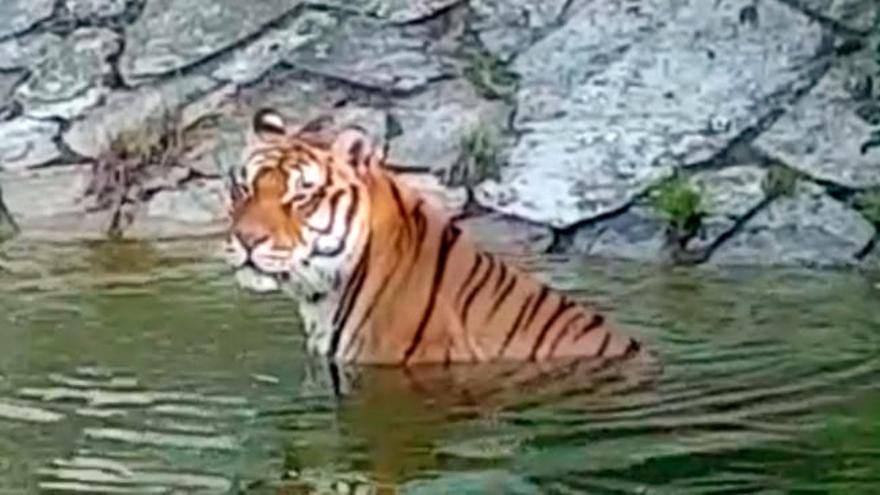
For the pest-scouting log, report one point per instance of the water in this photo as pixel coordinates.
(136, 368)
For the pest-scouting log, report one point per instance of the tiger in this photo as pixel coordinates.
(381, 274)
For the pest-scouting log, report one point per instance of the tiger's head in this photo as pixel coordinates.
(298, 204)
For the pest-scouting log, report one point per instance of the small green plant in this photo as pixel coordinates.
(868, 204)
(780, 181)
(681, 207)
(491, 76)
(478, 160)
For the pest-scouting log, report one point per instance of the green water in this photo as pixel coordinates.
(141, 368)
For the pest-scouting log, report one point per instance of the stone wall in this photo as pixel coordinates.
(549, 121)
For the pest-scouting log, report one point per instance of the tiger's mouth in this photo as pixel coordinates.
(252, 278)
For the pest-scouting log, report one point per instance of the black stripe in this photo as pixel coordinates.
(503, 296)
(478, 260)
(594, 323)
(476, 289)
(564, 305)
(334, 203)
(308, 208)
(561, 335)
(633, 347)
(349, 219)
(604, 345)
(501, 277)
(515, 326)
(448, 239)
(398, 200)
(542, 296)
(349, 296)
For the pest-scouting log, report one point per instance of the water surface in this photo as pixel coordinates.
(140, 368)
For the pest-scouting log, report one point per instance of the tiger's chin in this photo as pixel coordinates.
(254, 280)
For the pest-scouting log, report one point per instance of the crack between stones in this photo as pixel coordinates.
(836, 26)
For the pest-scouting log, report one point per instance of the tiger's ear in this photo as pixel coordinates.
(354, 148)
(269, 124)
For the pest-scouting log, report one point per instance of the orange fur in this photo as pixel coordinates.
(407, 284)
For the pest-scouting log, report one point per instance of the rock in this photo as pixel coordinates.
(728, 195)
(809, 228)
(823, 134)
(86, 10)
(395, 11)
(436, 122)
(17, 16)
(374, 55)
(277, 44)
(126, 111)
(47, 203)
(65, 72)
(8, 226)
(612, 101)
(171, 35)
(27, 143)
(197, 208)
(858, 15)
(636, 234)
(506, 27)
(8, 81)
(450, 200)
(501, 234)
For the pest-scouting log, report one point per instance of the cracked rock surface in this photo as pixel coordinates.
(543, 123)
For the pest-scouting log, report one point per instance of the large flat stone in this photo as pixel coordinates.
(396, 11)
(173, 34)
(275, 45)
(808, 228)
(506, 27)
(26, 143)
(19, 15)
(727, 195)
(823, 134)
(374, 55)
(48, 203)
(500, 234)
(859, 15)
(90, 10)
(66, 73)
(436, 122)
(197, 208)
(636, 234)
(125, 111)
(614, 100)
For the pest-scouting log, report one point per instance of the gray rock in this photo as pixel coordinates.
(728, 195)
(125, 111)
(500, 234)
(19, 15)
(823, 134)
(197, 208)
(374, 55)
(83, 10)
(48, 203)
(506, 27)
(859, 15)
(636, 234)
(8, 226)
(26, 143)
(612, 101)
(808, 228)
(65, 72)
(173, 34)
(248, 64)
(8, 82)
(436, 122)
(396, 11)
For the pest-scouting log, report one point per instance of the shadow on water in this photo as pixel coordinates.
(135, 368)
